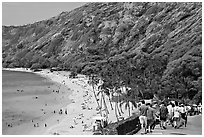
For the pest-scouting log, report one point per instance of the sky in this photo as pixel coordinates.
(21, 13)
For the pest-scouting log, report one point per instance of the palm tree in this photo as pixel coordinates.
(105, 88)
(109, 98)
(127, 105)
(111, 75)
(127, 101)
(101, 91)
(116, 114)
(118, 92)
(119, 100)
(93, 80)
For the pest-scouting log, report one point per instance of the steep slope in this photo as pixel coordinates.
(163, 38)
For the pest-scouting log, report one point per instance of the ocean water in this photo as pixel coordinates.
(16, 80)
(27, 97)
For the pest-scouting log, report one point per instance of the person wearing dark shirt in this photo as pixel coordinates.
(150, 117)
(163, 115)
(143, 116)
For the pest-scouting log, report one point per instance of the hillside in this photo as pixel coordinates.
(150, 47)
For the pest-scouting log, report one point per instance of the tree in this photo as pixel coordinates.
(36, 66)
(101, 91)
(93, 81)
(105, 88)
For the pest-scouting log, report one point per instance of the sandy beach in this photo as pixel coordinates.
(81, 108)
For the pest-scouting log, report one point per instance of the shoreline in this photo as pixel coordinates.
(77, 117)
(82, 108)
(48, 101)
(72, 123)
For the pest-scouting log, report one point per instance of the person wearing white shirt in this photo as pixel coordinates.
(200, 109)
(170, 111)
(183, 113)
(176, 116)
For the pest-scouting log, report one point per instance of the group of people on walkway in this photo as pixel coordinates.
(163, 114)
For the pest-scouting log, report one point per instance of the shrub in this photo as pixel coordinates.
(55, 43)
(22, 53)
(12, 65)
(152, 10)
(36, 66)
(73, 74)
(76, 36)
(5, 65)
(20, 46)
(93, 51)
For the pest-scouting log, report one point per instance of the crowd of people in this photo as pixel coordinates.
(172, 113)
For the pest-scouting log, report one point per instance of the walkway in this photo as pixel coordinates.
(194, 127)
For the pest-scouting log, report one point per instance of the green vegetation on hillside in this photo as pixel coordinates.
(152, 48)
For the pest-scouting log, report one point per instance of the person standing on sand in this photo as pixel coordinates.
(66, 111)
(60, 111)
(143, 116)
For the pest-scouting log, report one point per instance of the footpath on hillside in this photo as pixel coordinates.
(194, 127)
